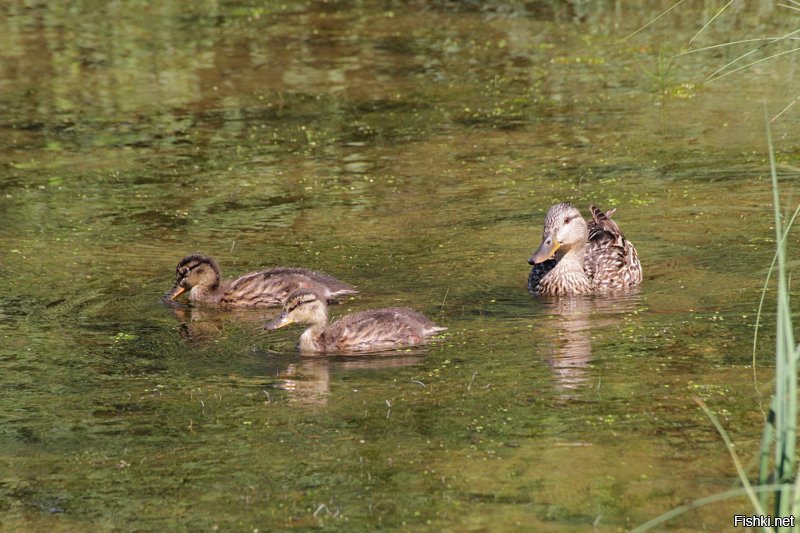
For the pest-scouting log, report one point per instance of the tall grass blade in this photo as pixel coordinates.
(764, 294)
(737, 463)
(781, 425)
(707, 24)
(764, 452)
(731, 43)
(753, 51)
(785, 109)
(679, 2)
(711, 77)
(733, 493)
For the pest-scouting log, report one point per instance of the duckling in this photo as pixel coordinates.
(375, 330)
(200, 275)
(579, 258)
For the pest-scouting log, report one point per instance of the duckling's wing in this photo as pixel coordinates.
(262, 289)
(611, 261)
(321, 283)
(250, 290)
(379, 329)
(416, 320)
(271, 287)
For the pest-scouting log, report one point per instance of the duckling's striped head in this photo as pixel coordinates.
(301, 307)
(192, 271)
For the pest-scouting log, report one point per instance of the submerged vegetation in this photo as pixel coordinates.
(411, 149)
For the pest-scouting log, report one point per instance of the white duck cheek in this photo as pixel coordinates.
(571, 235)
(563, 235)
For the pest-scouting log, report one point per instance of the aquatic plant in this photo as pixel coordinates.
(662, 76)
(780, 428)
(764, 46)
(777, 470)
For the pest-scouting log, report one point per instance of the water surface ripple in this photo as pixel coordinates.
(411, 149)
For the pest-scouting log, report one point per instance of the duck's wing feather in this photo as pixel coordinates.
(322, 283)
(611, 260)
(378, 329)
(271, 287)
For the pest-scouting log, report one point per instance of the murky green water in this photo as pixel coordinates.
(411, 149)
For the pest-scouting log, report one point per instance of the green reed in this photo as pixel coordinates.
(777, 473)
(779, 438)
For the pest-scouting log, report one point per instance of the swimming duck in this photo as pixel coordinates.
(375, 330)
(199, 274)
(580, 258)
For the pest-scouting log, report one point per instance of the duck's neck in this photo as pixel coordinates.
(568, 276)
(572, 259)
(205, 294)
(311, 339)
(208, 292)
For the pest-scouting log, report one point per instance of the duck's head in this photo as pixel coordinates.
(195, 270)
(564, 228)
(301, 307)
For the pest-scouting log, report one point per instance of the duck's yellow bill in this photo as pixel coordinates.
(545, 251)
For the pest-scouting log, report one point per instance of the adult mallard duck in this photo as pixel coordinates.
(580, 258)
(199, 274)
(375, 330)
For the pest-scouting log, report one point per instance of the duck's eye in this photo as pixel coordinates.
(566, 220)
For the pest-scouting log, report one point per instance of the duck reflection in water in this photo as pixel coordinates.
(573, 319)
(309, 381)
(199, 326)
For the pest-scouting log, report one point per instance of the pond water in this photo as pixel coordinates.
(411, 149)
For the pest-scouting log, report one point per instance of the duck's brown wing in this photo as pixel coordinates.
(611, 260)
(379, 329)
(271, 287)
(322, 283)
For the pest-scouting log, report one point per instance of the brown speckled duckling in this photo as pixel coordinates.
(199, 274)
(580, 258)
(375, 330)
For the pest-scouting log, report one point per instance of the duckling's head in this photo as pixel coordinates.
(195, 270)
(301, 307)
(564, 229)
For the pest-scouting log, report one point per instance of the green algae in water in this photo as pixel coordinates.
(413, 157)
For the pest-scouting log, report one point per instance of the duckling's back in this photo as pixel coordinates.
(379, 329)
(271, 287)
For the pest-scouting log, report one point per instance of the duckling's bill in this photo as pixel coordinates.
(176, 291)
(545, 251)
(282, 321)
